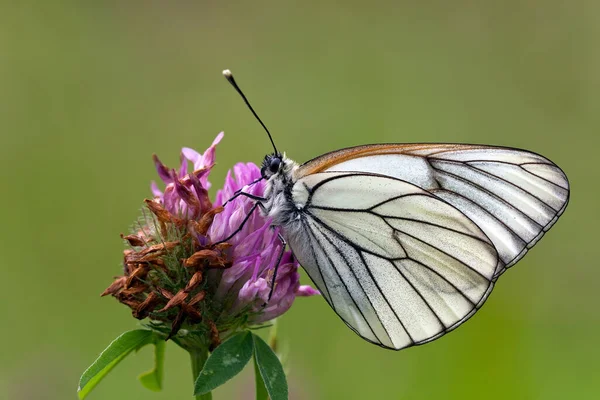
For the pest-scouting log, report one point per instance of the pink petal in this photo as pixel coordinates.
(155, 190)
(192, 155)
(183, 166)
(163, 171)
(218, 138)
(306, 290)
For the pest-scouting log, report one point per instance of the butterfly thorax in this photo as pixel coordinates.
(279, 204)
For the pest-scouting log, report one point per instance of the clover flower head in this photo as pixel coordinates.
(189, 267)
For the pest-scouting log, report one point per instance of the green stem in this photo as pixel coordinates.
(198, 358)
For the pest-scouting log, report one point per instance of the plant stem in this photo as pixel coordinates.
(198, 358)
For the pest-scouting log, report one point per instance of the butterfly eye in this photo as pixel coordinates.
(274, 166)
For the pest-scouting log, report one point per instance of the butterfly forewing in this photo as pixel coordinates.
(513, 195)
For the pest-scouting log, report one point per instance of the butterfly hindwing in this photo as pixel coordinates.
(398, 264)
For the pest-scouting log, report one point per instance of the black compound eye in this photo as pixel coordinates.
(274, 165)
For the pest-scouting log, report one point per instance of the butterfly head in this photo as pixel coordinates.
(271, 165)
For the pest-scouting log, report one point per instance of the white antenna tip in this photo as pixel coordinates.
(227, 73)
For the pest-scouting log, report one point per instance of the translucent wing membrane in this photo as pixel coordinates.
(398, 264)
(514, 206)
(514, 196)
(406, 241)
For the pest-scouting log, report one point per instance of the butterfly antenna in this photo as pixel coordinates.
(229, 76)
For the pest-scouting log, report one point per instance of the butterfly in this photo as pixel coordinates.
(406, 241)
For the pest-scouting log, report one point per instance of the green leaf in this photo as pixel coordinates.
(261, 390)
(111, 356)
(224, 363)
(153, 379)
(270, 370)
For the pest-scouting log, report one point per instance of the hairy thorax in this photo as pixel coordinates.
(280, 204)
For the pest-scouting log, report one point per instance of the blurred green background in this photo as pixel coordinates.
(89, 91)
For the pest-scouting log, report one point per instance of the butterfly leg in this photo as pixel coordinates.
(258, 203)
(281, 252)
(239, 228)
(246, 186)
(240, 193)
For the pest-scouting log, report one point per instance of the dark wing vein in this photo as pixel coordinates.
(541, 177)
(444, 278)
(442, 251)
(408, 257)
(516, 210)
(345, 240)
(486, 211)
(499, 161)
(312, 250)
(436, 225)
(346, 287)
(333, 178)
(358, 250)
(421, 296)
(520, 165)
(510, 183)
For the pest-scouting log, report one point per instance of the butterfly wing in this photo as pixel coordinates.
(514, 196)
(398, 264)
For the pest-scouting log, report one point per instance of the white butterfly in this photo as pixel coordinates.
(406, 241)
